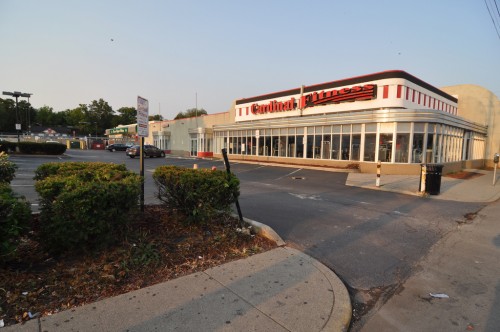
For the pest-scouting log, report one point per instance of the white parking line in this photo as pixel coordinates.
(284, 176)
(249, 170)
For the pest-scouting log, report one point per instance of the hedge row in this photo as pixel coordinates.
(84, 206)
(197, 194)
(33, 147)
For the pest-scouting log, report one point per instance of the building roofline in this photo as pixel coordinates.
(351, 81)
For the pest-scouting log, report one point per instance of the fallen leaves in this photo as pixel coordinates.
(158, 247)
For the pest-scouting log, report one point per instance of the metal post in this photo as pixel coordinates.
(141, 172)
(228, 169)
(379, 165)
(17, 120)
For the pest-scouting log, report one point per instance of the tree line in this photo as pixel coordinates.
(93, 118)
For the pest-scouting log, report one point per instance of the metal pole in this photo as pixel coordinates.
(141, 172)
(228, 170)
(17, 120)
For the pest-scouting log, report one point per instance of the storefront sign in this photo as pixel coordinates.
(356, 93)
(273, 106)
(118, 131)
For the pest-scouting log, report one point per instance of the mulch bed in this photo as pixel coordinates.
(158, 247)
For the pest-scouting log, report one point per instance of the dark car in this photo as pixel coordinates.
(149, 151)
(117, 147)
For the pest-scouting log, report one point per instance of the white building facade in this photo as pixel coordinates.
(392, 117)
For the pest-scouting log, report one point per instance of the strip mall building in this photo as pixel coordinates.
(391, 116)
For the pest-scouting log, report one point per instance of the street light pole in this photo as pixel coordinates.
(17, 94)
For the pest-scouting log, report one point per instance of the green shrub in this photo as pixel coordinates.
(7, 168)
(85, 169)
(197, 194)
(84, 206)
(41, 148)
(6, 146)
(15, 213)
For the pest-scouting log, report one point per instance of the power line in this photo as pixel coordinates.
(498, 11)
(492, 19)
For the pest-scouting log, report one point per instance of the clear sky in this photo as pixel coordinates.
(186, 53)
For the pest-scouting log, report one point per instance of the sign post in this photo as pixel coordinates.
(142, 131)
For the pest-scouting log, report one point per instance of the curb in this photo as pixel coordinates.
(341, 314)
(265, 231)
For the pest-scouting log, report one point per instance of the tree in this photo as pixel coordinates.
(45, 116)
(100, 114)
(8, 115)
(190, 113)
(75, 116)
(156, 117)
(126, 115)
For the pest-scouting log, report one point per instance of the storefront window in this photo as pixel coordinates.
(300, 143)
(370, 142)
(385, 148)
(355, 146)
(417, 147)
(267, 146)
(326, 146)
(261, 146)
(291, 147)
(345, 142)
(402, 148)
(335, 146)
(356, 142)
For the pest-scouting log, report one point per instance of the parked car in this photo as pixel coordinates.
(149, 151)
(117, 147)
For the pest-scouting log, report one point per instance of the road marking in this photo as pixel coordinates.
(248, 170)
(289, 174)
(305, 196)
(22, 185)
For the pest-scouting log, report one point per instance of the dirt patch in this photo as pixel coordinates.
(158, 247)
(464, 175)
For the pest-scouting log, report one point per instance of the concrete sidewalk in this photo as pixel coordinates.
(476, 189)
(457, 286)
(279, 290)
(463, 267)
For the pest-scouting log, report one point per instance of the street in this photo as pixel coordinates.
(371, 240)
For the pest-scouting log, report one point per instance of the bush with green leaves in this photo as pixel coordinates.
(84, 206)
(15, 214)
(7, 169)
(198, 194)
(6, 146)
(41, 148)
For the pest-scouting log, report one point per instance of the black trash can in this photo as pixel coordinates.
(433, 178)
